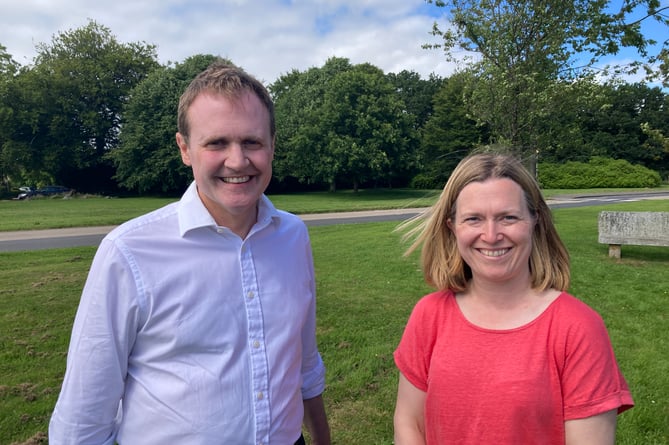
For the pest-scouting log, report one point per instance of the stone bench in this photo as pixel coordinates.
(633, 228)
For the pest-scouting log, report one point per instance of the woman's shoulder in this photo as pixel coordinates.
(439, 297)
(575, 314)
(432, 304)
(567, 302)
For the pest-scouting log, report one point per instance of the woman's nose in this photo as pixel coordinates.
(491, 232)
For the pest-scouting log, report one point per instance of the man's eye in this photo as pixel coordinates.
(252, 145)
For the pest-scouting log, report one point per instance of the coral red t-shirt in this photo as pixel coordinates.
(515, 386)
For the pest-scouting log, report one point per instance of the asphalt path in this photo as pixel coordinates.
(91, 236)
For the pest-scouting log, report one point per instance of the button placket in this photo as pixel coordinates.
(257, 353)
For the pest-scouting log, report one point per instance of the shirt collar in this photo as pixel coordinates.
(194, 215)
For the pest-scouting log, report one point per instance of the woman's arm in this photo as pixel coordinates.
(595, 430)
(409, 420)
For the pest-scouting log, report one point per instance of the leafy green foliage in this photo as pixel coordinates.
(342, 124)
(95, 114)
(448, 135)
(66, 109)
(523, 47)
(416, 93)
(616, 127)
(599, 172)
(8, 68)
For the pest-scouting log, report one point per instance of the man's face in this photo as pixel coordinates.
(230, 149)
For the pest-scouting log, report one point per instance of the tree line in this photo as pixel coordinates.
(99, 116)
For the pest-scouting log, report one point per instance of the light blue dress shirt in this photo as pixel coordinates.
(188, 334)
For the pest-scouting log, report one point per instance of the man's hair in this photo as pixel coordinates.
(225, 79)
(444, 267)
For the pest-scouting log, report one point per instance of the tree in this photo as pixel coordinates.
(628, 124)
(8, 65)
(8, 68)
(301, 145)
(68, 105)
(26, 129)
(342, 124)
(524, 46)
(147, 159)
(416, 93)
(572, 104)
(448, 135)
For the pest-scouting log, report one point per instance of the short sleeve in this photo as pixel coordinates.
(591, 379)
(413, 354)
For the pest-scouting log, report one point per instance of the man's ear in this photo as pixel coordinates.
(182, 142)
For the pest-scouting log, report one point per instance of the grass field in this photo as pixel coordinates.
(56, 212)
(366, 290)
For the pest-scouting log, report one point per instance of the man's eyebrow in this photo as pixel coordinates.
(215, 139)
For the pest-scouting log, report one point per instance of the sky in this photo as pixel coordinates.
(268, 38)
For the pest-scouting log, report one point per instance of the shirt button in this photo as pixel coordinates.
(260, 395)
(219, 229)
(256, 344)
(249, 295)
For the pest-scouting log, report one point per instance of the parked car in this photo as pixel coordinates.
(25, 192)
(49, 190)
(52, 190)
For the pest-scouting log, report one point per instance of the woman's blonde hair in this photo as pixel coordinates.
(443, 266)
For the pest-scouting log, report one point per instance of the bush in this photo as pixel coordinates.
(426, 182)
(599, 172)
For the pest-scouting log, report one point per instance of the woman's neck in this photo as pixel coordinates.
(503, 305)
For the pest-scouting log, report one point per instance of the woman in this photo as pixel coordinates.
(501, 353)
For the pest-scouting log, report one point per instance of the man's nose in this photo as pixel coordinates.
(236, 156)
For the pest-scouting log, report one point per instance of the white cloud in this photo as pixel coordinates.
(267, 38)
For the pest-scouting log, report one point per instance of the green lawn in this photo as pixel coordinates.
(56, 212)
(366, 290)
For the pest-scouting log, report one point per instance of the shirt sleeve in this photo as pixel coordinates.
(103, 333)
(592, 382)
(313, 368)
(413, 354)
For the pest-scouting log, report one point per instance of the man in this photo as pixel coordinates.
(197, 321)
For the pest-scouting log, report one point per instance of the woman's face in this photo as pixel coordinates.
(493, 229)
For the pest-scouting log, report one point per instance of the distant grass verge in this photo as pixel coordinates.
(56, 212)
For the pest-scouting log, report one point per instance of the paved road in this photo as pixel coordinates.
(91, 236)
